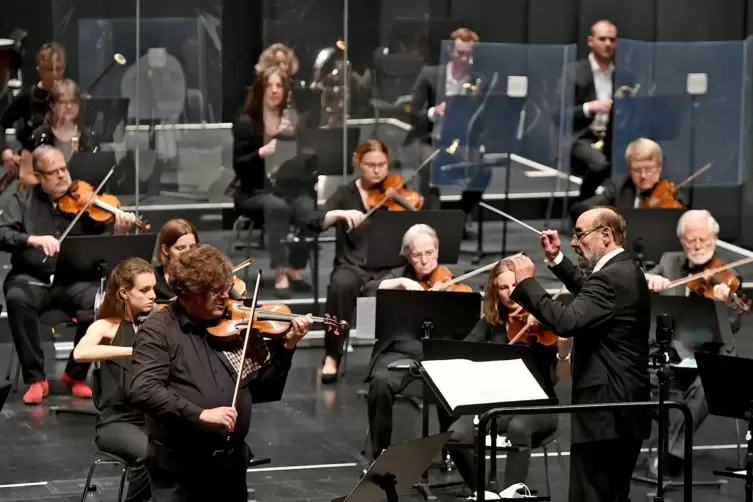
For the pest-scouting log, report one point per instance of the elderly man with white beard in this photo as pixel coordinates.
(698, 231)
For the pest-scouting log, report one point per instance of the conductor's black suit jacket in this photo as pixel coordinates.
(610, 318)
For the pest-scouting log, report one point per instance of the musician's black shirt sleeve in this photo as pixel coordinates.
(17, 109)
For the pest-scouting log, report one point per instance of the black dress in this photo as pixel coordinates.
(25, 113)
(121, 426)
(162, 288)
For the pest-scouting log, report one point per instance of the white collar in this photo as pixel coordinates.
(596, 68)
(605, 259)
(450, 76)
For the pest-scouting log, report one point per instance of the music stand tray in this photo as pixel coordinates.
(91, 167)
(698, 325)
(652, 232)
(717, 372)
(396, 470)
(387, 228)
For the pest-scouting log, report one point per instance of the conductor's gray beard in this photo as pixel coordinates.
(586, 264)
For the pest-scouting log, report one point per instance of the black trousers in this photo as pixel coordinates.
(280, 212)
(469, 199)
(26, 302)
(345, 284)
(519, 430)
(189, 476)
(383, 386)
(129, 442)
(595, 165)
(692, 394)
(600, 471)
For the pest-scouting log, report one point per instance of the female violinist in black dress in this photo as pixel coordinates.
(120, 427)
(175, 236)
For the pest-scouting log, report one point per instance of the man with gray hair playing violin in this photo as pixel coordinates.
(698, 231)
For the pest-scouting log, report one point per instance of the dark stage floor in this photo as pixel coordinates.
(313, 436)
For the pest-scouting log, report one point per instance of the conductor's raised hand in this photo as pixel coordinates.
(524, 268)
(224, 416)
(550, 243)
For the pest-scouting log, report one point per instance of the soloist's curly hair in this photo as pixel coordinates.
(198, 270)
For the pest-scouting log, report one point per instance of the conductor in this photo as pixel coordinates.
(610, 320)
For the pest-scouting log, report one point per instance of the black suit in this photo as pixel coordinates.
(595, 165)
(610, 319)
(430, 84)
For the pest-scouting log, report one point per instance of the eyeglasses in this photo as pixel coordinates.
(374, 165)
(221, 290)
(54, 172)
(644, 170)
(579, 236)
(426, 254)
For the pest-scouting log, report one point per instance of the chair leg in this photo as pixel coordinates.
(123, 477)
(740, 463)
(546, 470)
(344, 356)
(89, 480)
(559, 455)
(366, 441)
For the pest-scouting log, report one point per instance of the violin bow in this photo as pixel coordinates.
(711, 271)
(529, 323)
(86, 206)
(468, 275)
(245, 340)
(245, 263)
(693, 176)
(450, 149)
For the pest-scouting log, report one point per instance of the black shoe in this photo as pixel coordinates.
(283, 293)
(300, 286)
(330, 378)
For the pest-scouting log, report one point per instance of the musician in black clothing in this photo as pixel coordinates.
(184, 379)
(27, 110)
(175, 237)
(30, 228)
(519, 430)
(644, 159)
(121, 427)
(266, 115)
(346, 209)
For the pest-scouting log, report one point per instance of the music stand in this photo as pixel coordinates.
(386, 230)
(697, 323)
(717, 371)
(91, 167)
(112, 111)
(326, 146)
(396, 469)
(651, 232)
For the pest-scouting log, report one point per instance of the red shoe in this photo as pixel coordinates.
(78, 387)
(36, 393)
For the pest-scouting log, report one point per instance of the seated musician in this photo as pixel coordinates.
(346, 209)
(644, 159)
(197, 450)
(61, 128)
(698, 232)
(175, 237)
(121, 428)
(27, 111)
(421, 249)
(254, 137)
(30, 228)
(519, 430)
(279, 55)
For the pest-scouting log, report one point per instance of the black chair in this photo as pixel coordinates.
(111, 459)
(239, 243)
(414, 401)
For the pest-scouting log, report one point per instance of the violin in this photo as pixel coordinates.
(392, 194)
(270, 321)
(519, 329)
(102, 209)
(704, 285)
(443, 277)
(662, 196)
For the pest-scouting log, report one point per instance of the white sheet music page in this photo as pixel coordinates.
(463, 382)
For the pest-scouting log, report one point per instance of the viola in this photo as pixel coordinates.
(519, 329)
(392, 194)
(704, 285)
(270, 321)
(102, 209)
(662, 196)
(443, 277)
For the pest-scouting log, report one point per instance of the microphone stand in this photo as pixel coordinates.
(638, 250)
(664, 330)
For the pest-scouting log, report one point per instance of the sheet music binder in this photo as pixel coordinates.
(464, 387)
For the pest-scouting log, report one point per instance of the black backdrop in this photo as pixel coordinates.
(512, 21)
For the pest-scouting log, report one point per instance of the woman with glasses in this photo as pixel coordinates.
(644, 159)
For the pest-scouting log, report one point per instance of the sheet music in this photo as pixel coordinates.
(366, 316)
(462, 382)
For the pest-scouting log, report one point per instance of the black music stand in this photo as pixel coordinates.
(717, 371)
(386, 230)
(91, 258)
(651, 232)
(104, 115)
(416, 315)
(396, 469)
(91, 167)
(5, 392)
(326, 146)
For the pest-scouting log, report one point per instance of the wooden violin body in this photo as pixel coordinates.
(442, 275)
(704, 286)
(662, 196)
(517, 323)
(401, 200)
(103, 209)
